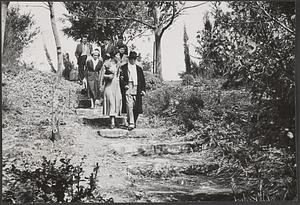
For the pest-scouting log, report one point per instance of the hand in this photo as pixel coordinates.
(126, 87)
(101, 88)
(84, 80)
(143, 93)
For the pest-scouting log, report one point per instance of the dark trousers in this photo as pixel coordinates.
(136, 115)
(81, 65)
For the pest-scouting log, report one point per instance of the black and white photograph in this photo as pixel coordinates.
(148, 101)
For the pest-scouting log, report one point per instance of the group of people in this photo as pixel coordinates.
(113, 77)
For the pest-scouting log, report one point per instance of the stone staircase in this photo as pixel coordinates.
(140, 166)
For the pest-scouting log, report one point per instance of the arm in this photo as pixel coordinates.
(143, 84)
(101, 77)
(122, 78)
(91, 49)
(87, 64)
(77, 51)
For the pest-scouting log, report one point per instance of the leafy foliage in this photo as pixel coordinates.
(50, 182)
(100, 20)
(220, 121)
(187, 79)
(18, 34)
(152, 81)
(254, 44)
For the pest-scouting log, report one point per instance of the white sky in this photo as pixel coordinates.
(172, 41)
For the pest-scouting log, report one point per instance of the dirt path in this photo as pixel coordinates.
(140, 166)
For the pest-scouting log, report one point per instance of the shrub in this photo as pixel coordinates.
(152, 81)
(18, 34)
(188, 79)
(49, 182)
(188, 110)
(160, 102)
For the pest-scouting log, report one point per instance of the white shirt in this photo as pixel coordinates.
(84, 49)
(95, 62)
(132, 74)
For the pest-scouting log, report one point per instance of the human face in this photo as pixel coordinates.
(96, 56)
(122, 50)
(84, 39)
(132, 61)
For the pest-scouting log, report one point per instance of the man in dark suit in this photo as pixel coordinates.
(107, 48)
(83, 50)
(132, 83)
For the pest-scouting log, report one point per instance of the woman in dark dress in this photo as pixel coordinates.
(93, 67)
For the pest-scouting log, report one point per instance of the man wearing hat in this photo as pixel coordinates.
(83, 50)
(119, 44)
(132, 83)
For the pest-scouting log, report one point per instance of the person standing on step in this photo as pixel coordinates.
(107, 48)
(93, 67)
(110, 85)
(121, 55)
(132, 82)
(120, 44)
(83, 50)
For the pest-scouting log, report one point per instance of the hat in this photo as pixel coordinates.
(122, 46)
(96, 51)
(132, 55)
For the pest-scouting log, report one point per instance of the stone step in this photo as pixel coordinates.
(148, 148)
(84, 103)
(104, 121)
(172, 166)
(182, 188)
(90, 113)
(113, 133)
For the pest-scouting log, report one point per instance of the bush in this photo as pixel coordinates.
(18, 34)
(152, 81)
(161, 101)
(50, 182)
(189, 108)
(187, 79)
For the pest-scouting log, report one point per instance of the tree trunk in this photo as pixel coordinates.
(57, 41)
(57, 78)
(156, 14)
(157, 51)
(4, 7)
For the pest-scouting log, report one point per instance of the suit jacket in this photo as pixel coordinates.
(104, 50)
(90, 65)
(78, 51)
(124, 80)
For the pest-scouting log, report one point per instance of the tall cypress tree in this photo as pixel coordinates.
(187, 58)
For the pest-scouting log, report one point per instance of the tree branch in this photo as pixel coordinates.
(194, 6)
(127, 18)
(278, 22)
(35, 6)
(133, 37)
(172, 18)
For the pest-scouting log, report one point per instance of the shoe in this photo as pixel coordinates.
(130, 127)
